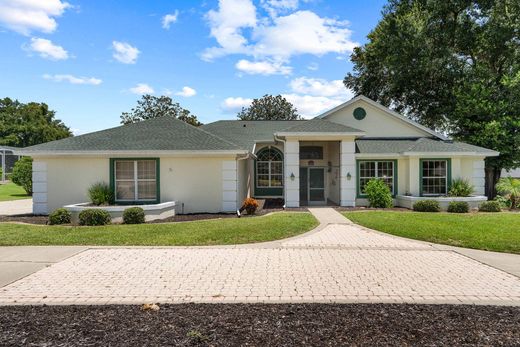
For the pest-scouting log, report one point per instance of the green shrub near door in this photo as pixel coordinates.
(133, 215)
(458, 207)
(427, 206)
(378, 194)
(59, 216)
(490, 206)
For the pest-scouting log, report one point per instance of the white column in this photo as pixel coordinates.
(229, 186)
(39, 185)
(479, 176)
(413, 176)
(348, 166)
(292, 167)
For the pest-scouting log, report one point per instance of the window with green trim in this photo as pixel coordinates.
(269, 168)
(382, 169)
(434, 177)
(135, 180)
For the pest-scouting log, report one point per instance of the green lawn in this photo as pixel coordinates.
(10, 191)
(489, 231)
(211, 232)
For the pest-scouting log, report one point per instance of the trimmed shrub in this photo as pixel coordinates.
(490, 206)
(509, 187)
(503, 201)
(427, 206)
(22, 174)
(59, 216)
(250, 205)
(378, 194)
(100, 194)
(458, 207)
(94, 216)
(133, 215)
(461, 187)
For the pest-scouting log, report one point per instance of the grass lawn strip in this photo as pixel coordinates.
(210, 232)
(10, 191)
(498, 232)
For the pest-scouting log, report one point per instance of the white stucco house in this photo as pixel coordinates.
(326, 160)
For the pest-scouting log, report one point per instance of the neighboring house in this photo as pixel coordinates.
(326, 160)
(513, 173)
(7, 160)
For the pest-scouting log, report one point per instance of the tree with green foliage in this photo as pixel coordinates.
(158, 106)
(22, 174)
(450, 65)
(29, 124)
(269, 107)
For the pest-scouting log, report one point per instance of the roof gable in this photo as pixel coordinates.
(379, 120)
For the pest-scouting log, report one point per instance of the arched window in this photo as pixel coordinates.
(269, 168)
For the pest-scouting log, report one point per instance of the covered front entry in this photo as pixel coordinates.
(312, 186)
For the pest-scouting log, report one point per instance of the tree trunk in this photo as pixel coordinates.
(492, 177)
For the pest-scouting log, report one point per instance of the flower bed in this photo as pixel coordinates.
(151, 211)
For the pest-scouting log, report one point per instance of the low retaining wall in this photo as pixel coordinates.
(151, 212)
(408, 201)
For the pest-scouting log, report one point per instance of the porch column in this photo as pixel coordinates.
(39, 178)
(413, 176)
(292, 167)
(348, 166)
(479, 176)
(229, 185)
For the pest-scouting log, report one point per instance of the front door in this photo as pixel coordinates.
(316, 185)
(312, 185)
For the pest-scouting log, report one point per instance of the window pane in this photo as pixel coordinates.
(262, 180)
(146, 190)
(367, 169)
(146, 169)
(262, 168)
(311, 152)
(276, 168)
(124, 169)
(434, 177)
(276, 180)
(385, 169)
(125, 190)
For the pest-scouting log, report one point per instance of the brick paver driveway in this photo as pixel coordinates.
(338, 263)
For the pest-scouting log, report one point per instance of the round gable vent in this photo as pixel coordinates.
(360, 113)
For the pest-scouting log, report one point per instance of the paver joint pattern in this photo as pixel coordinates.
(339, 263)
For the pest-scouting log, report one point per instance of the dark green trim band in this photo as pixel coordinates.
(396, 179)
(448, 174)
(135, 202)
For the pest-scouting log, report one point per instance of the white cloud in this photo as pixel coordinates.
(274, 7)
(187, 92)
(235, 104)
(124, 52)
(310, 106)
(226, 27)
(277, 38)
(313, 96)
(318, 87)
(169, 19)
(25, 16)
(48, 50)
(263, 67)
(73, 79)
(313, 66)
(303, 32)
(142, 88)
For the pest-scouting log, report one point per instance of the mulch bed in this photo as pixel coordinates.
(26, 218)
(260, 325)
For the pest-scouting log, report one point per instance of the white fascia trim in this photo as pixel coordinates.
(385, 109)
(314, 134)
(132, 153)
(375, 155)
(452, 154)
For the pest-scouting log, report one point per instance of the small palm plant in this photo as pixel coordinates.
(509, 187)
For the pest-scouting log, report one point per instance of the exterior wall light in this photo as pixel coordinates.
(349, 176)
(292, 176)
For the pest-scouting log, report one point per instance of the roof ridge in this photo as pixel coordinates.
(214, 135)
(414, 144)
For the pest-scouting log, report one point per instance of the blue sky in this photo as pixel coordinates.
(91, 60)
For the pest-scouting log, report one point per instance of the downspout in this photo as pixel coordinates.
(237, 178)
(276, 138)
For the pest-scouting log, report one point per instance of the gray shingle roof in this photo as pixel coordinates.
(320, 126)
(164, 133)
(423, 144)
(246, 133)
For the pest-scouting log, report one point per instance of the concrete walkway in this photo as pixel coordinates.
(337, 262)
(14, 207)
